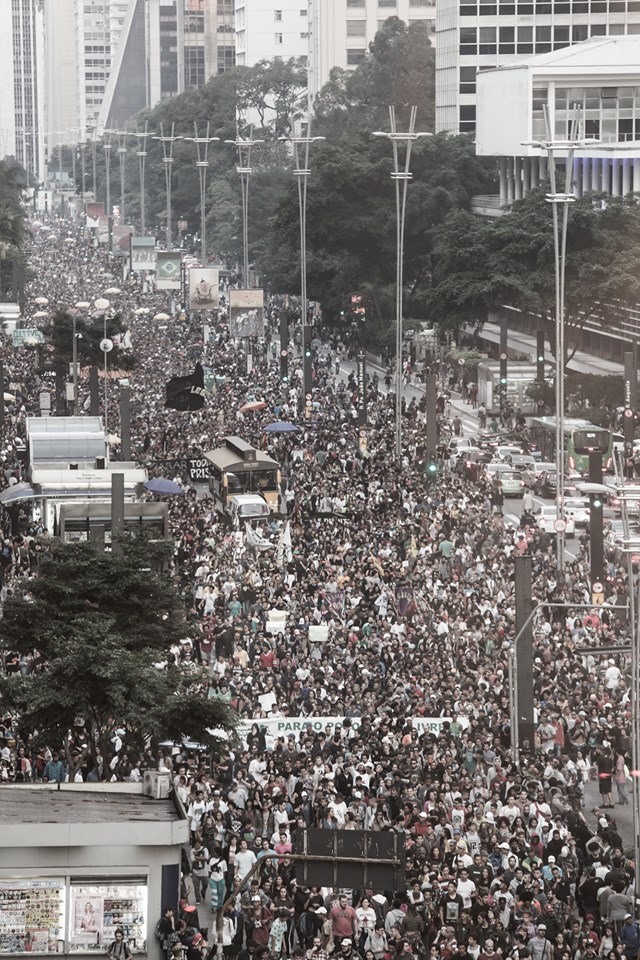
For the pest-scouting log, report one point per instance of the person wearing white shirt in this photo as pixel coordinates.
(245, 859)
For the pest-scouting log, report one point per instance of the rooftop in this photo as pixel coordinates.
(50, 805)
(596, 52)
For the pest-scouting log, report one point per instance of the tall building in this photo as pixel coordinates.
(601, 76)
(21, 87)
(271, 29)
(164, 48)
(477, 35)
(340, 31)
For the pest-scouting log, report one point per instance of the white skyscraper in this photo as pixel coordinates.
(21, 86)
(270, 29)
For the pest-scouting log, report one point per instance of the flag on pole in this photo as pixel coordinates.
(285, 548)
(253, 539)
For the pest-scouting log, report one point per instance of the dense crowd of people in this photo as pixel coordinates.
(395, 717)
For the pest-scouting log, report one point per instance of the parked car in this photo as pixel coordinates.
(546, 517)
(546, 483)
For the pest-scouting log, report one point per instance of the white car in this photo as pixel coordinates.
(546, 517)
(512, 483)
(578, 509)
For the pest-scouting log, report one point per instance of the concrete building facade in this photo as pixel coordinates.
(601, 76)
(21, 84)
(271, 29)
(477, 35)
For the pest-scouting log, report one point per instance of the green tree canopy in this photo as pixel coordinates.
(99, 625)
(398, 70)
(90, 332)
(482, 264)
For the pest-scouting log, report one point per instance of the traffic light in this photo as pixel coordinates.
(432, 469)
(284, 366)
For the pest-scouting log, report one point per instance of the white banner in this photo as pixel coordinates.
(285, 726)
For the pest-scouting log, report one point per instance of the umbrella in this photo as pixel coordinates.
(141, 311)
(113, 291)
(282, 426)
(9, 396)
(163, 486)
(40, 313)
(41, 301)
(254, 405)
(69, 240)
(162, 316)
(83, 305)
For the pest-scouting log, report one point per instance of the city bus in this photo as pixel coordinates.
(237, 469)
(580, 438)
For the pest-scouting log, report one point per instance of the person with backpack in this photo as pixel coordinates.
(165, 927)
(119, 949)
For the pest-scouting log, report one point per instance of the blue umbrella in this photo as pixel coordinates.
(163, 486)
(282, 426)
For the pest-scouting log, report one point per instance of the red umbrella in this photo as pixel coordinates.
(254, 405)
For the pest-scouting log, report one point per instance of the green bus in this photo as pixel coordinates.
(580, 438)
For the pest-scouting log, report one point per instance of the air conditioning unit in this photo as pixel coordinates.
(156, 785)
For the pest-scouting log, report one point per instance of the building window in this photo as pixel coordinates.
(355, 3)
(356, 28)
(355, 57)
(277, 16)
(278, 38)
(386, 3)
(418, 3)
(467, 79)
(467, 118)
(303, 13)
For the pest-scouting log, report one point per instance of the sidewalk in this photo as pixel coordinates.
(465, 411)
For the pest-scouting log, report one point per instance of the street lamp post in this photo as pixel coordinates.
(167, 159)
(302, 173)
(202, 163)
(401, 176)
(122, 158)
(83, 147)
(106, 146)
(141, 154)
(563, 199)
(102, 305)
(244, 170)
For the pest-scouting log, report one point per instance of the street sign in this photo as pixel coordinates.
(26, 334)
(106, 345)
(597, 587)
(351, 858)
(560, 525)
(628, 413)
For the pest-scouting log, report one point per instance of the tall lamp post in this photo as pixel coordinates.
(202, 163)
(102, 305)
(244, 170)
(167, 142)
(122, 159)
(141, 154)
(301, 172)
(401, 176)
(560, 199)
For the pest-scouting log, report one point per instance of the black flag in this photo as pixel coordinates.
(186, 393)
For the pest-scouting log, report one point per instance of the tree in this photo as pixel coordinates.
(99, 624)
(351, 220)
(398, 70)
(90, 332)
(482, 264)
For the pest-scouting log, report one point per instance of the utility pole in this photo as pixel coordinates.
(301, 172)
(202, 163)
(401, 175)
(243, 169)
(630, 401)
(141, 154)
(596, 533)
(431, 396)
(106, 146)
(122, 159)
(167, 142)
(523, 650)
(504, 356)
